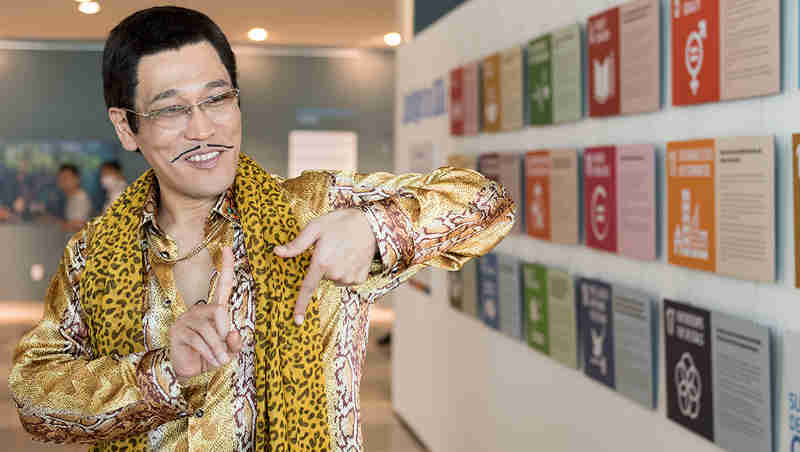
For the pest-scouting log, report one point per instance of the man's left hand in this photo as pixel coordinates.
(344, 246)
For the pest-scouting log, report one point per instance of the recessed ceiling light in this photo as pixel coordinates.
(89, 7)
(392, 39)
(257, 34)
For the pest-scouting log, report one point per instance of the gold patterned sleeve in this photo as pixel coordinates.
(64, 393)
(440, 219)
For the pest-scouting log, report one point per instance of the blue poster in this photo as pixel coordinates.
(597, 331)
(488, 291)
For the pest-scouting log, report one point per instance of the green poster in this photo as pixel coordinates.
(563, 320)
(536, 307)
(540, 83)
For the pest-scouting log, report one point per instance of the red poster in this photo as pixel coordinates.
(695, 51)
(604, 56)
(599, 198)
(537, 194)
(457, 102)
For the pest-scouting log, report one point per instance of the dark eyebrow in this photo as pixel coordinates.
(172, 92)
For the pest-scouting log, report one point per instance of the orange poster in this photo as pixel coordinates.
(691, 214)
(537, 194)
(695, 52)
(492, 107)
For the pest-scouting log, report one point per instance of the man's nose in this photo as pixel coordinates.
(199, 126)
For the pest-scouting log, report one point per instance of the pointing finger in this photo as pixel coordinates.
(310, 283)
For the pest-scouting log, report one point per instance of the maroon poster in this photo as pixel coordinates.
(604, 55)
(599, 198)
(457, 102)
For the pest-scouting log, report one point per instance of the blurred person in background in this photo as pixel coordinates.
(78, 205)
(112, 181)
(215, 306)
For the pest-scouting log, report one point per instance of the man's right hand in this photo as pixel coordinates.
(202, 338)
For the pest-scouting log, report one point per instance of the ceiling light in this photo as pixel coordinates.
(89, 7)
(257, 34)
(392, 39)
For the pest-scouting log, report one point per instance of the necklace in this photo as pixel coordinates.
(209, 237)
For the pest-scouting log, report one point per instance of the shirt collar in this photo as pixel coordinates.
(224, 207)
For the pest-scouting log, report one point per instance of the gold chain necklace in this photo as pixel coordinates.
(209, 237)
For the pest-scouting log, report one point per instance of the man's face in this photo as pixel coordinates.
(185, 77)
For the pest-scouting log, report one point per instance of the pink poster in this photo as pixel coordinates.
(599, 198)
(636, 206)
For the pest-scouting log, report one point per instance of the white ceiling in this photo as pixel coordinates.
(329, 23)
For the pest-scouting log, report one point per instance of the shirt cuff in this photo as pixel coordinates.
(393, 233)
(159, 385)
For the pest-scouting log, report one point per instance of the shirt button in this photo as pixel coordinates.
(167, 302)
(165, 254)
(198, 413)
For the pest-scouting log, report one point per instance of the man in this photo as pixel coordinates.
(112, 181)
(78, 204)
(216, 307)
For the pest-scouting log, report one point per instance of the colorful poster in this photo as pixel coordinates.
(634, 345)
(724, 49)
(551, 195)
(28, 170)
(603, 36)
(510, 296)
(554, 81)
(509, 174)
(597, 331)
(488, 291)
(536, 303)
(600, 198)
(624, 49)
(457, 102)
(690, 390)
(471, 99)
(719, 377)
(492, 112)
(721, 206)
(540, 81)
(511, 89)
(636, 201)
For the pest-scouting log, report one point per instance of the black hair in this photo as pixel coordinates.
(69, 167)
(148, 32)
(113, 164)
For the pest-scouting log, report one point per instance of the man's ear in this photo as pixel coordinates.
(126, 136)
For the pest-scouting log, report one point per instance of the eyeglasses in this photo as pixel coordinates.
(218, 108)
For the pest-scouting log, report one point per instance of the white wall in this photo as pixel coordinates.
(462, 387)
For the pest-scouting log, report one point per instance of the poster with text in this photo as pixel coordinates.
(624, 57)
(600, 197)
(509, 296)
(506, 168)
(535, 302)
(551, 195)
(457, 102)
(554, 79)
(635, 345)
(796, 187)
(721, 206)
(724, 50)
(562, 317)
(597, 331)
(462, 289)
(492, 111)
(689, 383)
(790, 394)
(488, 291)
(471, 98)
(511, 83)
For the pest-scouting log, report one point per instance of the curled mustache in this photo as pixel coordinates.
(222, 146)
